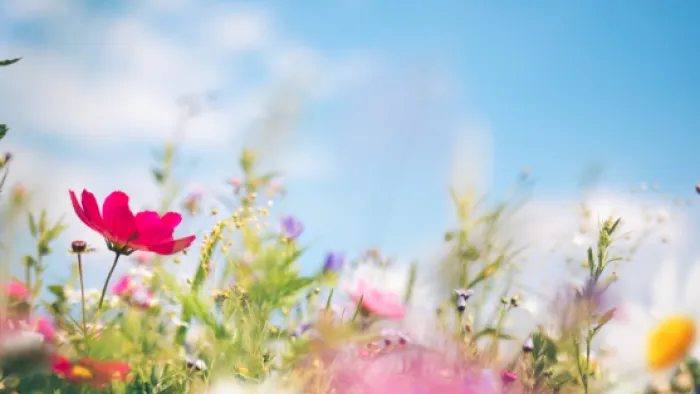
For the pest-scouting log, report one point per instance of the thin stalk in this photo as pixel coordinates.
(82, 292)
(109, 276)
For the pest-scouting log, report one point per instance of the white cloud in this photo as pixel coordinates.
(121, 77)
(242, 30)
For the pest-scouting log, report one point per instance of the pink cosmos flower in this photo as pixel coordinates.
(377, 302)
(135, 294)
(17, 290)
(126, 232)
(123, 287)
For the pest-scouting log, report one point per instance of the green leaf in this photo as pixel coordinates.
(3, 130)
(42, 221)
(159, 175)
(32, 225)
(58, 291)
(489, 270)
(55, 231)
(491, 332)
(29, 261)
(411, 282)
(9, 61)
(359, 307)
(328, 301)
(544, 347)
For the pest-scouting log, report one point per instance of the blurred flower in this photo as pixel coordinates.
(670, 342)
(377, 302)
(125, 232)
(17, 290)
(44, 327)
(142, 271)
(133, 293)
(290, 227)
(508, 376)
(192, 202)
(655, 338)
(123, 286)
(96, 329)
(405, 369)
(24, 344)
(334, 262)
(142, 257)
(96, 373)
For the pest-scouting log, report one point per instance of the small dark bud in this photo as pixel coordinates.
(78, 246)
(515, 301)
(697, 188)
(528, 346)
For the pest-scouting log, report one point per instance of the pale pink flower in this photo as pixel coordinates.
(17, 290)
(142, 257)
(407, 369)
(377, 302)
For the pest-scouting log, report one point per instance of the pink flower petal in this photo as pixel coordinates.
(92, 210)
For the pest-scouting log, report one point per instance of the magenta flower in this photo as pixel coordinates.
(17, 290)
(125, 232)
(123, 287)
(45, 328)
(508, 376)
(377, 302)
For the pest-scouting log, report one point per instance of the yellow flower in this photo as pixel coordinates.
(670, 342)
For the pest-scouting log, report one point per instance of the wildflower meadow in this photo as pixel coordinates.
(248, 319)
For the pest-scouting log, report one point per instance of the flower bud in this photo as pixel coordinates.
(78, 246)
(528, 346)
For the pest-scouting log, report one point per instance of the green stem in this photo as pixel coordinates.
(82, 293)
(497, 333)
(589, 338)
(109, 276)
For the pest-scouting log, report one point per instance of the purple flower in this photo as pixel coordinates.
(334, 262)
(301, 330)
(290, 227)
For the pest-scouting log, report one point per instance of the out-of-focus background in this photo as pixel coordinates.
(371, 110)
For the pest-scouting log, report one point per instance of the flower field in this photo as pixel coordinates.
(248, 319)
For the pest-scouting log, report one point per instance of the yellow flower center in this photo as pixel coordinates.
(81, 373)
(670, 342)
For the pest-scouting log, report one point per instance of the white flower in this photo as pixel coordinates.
(141, 271)
(625, 338)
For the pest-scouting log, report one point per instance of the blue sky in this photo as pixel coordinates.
(555, 86)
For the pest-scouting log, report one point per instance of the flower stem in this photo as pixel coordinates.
(82, 292)
(109, 276)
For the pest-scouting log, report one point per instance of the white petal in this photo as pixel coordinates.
(665, 289)
(692, 290)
